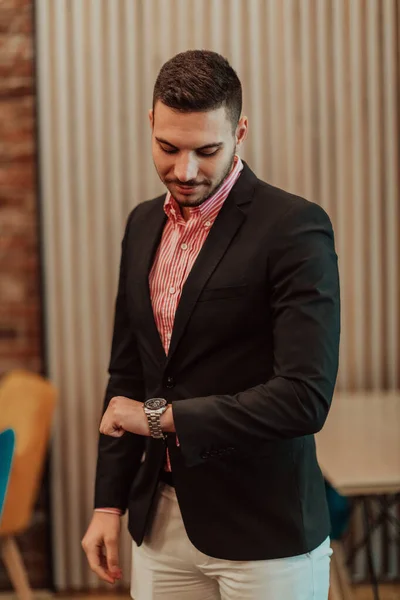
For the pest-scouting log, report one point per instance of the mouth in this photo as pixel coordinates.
(187, 190)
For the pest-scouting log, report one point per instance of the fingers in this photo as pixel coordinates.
(97, 563)
(117, 433)
(100, 544)
(111, 546)
(107, 427)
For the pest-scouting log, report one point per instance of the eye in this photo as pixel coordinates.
(173, 151)
(207, 152)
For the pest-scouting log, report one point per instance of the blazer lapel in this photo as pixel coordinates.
(228, 221)
(149, 237)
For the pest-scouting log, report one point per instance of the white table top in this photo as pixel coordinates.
(359, 446)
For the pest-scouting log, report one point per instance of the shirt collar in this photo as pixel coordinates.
(212, 205)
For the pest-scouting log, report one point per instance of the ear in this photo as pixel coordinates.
(241, 131)
(151, 118)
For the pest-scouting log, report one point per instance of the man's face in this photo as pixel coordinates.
(193, 152)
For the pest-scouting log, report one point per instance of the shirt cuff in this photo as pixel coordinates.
(111, 511)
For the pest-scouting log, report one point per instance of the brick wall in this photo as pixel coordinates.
(20, 303)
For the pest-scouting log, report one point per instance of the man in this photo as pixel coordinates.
(223, 366)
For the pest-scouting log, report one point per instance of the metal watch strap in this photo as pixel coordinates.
(154, 420)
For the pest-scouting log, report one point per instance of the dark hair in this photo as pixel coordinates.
(199, 80)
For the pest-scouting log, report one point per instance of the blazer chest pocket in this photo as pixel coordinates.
(223, 293)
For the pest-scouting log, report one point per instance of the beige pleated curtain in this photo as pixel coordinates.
(321, 90)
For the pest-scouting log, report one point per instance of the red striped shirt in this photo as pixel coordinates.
(180, 245)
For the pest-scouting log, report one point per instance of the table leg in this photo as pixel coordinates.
(371, 568)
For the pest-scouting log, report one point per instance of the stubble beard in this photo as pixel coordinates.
(207, 195)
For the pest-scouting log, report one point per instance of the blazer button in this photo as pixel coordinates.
(170, 382)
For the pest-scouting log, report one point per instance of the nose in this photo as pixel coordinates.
(186, 168)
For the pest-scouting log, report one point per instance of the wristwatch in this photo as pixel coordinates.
(154, 408)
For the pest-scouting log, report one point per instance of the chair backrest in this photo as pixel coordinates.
(7, 446)
(27, 403)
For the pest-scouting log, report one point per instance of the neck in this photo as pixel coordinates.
(185, 210)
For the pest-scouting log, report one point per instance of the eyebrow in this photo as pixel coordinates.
(205, 147)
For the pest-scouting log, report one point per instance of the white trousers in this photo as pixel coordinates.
(167, 566)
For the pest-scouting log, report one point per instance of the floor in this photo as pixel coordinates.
(387, 592)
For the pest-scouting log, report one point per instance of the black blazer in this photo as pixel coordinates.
(250, 372)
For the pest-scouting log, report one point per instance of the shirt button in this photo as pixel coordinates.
(207, 224)
(169, 335)
(184, 246)
(172, 290)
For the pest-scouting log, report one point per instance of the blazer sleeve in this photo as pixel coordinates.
(304, 296)
(119, 458)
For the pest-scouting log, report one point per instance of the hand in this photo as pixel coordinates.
(124, 414)
(101, 543)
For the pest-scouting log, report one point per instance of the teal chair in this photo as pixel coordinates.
(7, 446)
(339, 511)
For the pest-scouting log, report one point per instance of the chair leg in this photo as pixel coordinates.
(15, 567)
(340, 571)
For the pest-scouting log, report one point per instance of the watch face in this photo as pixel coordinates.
(155, 403)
